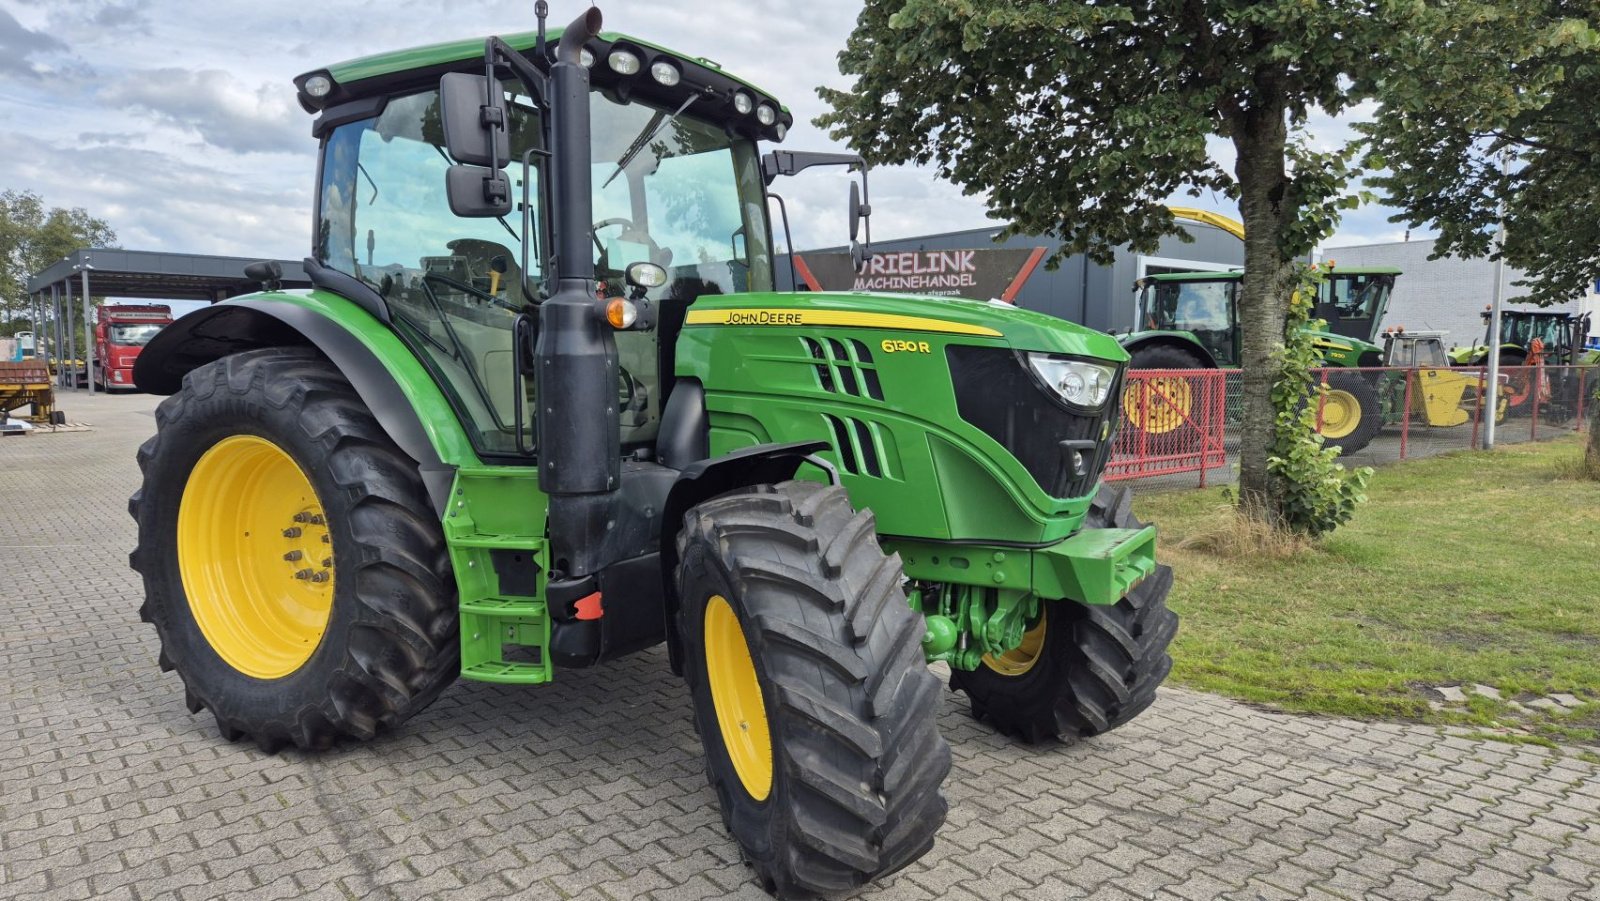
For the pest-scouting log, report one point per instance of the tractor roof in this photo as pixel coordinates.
(431, 59)
(1237, 274)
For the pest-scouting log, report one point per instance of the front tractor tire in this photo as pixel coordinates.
(1352, 414)
(1082, 669)
(294, 571)
(811, 696)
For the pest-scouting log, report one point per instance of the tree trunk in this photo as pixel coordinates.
(1259, 136)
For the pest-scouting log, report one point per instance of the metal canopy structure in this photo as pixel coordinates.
(127, 273)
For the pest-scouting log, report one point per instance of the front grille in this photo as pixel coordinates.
(998, 393)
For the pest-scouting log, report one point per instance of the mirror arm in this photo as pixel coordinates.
(866, 211)
(793, 162)
(498, 53)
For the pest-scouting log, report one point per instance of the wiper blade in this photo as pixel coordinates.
(646, 135)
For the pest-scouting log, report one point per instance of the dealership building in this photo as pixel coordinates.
(973, 264)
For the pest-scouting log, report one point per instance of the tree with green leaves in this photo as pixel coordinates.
(33, 236)
(1487, 104)
(1080, 119)
(1488, 118)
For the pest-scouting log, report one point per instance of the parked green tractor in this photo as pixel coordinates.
(1527, 338)
(544, 408)
(1189, 320)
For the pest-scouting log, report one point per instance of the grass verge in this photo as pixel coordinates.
(1460, 570)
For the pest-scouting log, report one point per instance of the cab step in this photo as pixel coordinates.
(500, 573)
(492, 628)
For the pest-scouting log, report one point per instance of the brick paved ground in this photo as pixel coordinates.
(592, 787)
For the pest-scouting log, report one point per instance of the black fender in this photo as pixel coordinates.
(258, 322)
(1193, 347)
(760, 464)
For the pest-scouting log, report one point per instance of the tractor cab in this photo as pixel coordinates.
(1410, 350)
(1558, 337)
(1202, 305)
(676, 183)
(1352, 300)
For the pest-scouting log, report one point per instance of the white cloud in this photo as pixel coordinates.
(19, 44)
(214, 104)
(177, 121)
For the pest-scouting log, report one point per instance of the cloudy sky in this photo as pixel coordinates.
(176, 120)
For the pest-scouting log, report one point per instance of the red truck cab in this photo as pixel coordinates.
(119, 334)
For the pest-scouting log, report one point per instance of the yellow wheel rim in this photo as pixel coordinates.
(255, 556)
(1341, 412)
(736, 695)
(1021, 658)
(1159, 405)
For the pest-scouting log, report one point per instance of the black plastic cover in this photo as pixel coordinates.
(998, 392)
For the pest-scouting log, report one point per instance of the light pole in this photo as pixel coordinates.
(1497, 298)
(82, 268)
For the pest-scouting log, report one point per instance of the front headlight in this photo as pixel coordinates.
(1078, 382)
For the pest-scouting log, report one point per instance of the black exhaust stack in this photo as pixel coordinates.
(576, 354)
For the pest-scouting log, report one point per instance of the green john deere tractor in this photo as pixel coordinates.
(1189, 320)
(544, 408)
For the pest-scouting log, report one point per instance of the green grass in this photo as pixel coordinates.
(1461, 569)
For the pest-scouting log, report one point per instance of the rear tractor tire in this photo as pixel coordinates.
(811, 696)
(1082, 669)
(293, 568)
(1159, 412)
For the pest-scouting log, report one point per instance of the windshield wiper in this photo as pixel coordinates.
(646, 135)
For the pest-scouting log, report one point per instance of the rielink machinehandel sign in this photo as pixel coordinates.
(977, 273)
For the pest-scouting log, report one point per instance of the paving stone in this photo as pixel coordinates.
(593, 786)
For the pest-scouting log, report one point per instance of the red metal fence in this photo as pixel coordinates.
(1180, 426)
(1174, 421)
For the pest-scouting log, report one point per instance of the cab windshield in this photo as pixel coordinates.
(688, 197)
(1357, 296)
(133, 334)
(1522, 329)
(1187, 306)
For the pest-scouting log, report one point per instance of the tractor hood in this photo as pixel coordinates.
(902, 316)
(1342, 350)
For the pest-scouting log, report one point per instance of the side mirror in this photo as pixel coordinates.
(477, 192)
(267, 272)
(855, 211)
(473, 111)
(858, 212)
